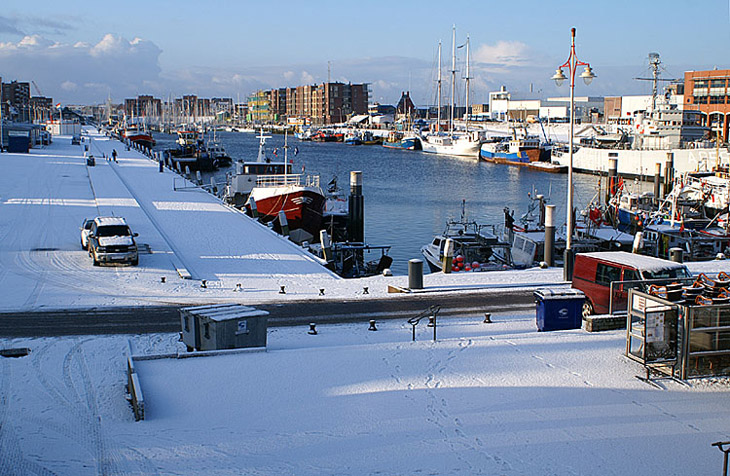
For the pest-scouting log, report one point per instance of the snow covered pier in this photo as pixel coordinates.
(182, 230)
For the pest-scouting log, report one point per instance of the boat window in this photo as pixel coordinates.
(519, 242)
(529, 248)
(436, 241)
(606, 273)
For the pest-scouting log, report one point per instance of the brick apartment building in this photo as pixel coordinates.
(707, 92)
(326, 103)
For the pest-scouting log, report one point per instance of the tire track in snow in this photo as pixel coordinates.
(12, 460)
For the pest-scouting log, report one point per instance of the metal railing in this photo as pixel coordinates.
(301, 180)
(642, 285)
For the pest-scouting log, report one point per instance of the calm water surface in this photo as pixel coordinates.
(409, 195)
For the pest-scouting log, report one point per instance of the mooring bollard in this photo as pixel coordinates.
(283, 223)
(372, 325)
(549, 234)
(487, 318)
(238, 288)
(448, 260)
(203, 284)
(312, 329)
(415, 274)
(282, 290)
(321, 291)
(162, 279)
(365, 290)
(254, 210)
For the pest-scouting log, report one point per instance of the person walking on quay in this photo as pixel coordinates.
(114, 154)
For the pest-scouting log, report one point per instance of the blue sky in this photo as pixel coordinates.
(80, 51)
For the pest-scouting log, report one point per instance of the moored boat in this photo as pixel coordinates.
(474, 247)
(399, 140)
(265, 187)
(522, 151)
(139, 135)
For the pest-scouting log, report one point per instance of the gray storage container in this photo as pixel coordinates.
(223, 326)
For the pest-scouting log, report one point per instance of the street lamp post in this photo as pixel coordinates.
(572, 64)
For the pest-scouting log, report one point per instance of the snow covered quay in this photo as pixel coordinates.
(183, 231)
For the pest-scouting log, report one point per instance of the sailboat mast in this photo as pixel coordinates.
(438, 112)
(467, 83)
(453, 80)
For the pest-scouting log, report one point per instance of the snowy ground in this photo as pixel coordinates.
(485, 399)
(493, 399)
(44, 197)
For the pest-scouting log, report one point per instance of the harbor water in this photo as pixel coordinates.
(409, 195)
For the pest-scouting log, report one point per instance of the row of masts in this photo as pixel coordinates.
(452, 102)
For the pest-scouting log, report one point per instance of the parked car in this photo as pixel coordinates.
(111, 240)
(593, 274)
(85, 230)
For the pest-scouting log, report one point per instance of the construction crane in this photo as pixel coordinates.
(37, 89)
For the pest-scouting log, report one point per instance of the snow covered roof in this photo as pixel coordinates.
(646, 263)
(358, 119)
(108, 221)
(224, 312)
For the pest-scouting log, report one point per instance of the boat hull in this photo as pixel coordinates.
(144, 140)
(405, 144)
(462, 148)
(303, 207)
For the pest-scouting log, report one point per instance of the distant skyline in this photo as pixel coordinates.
(79, 51)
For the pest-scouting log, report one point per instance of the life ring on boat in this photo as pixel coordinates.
(517, 228)
(595, 216)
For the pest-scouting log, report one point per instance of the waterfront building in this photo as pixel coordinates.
(499, 104)
(259, 106)
(16, 101)
(707, 92)
(405, 106)
(143, 106)
(41, 109)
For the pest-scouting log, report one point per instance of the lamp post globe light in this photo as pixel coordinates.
(559, 77)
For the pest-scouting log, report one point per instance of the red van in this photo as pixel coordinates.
(594, 272)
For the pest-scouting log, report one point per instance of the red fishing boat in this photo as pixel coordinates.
(267, 186)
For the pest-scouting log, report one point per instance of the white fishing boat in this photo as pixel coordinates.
(474, 247)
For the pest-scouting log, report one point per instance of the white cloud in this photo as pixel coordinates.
(307, 78)
(504, 53)
(34, 41)
(289, 75)
(113, 64)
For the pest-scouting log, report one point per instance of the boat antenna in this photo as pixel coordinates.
(655, 65)
(262, 143)
(463, 210)
(286, 147)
